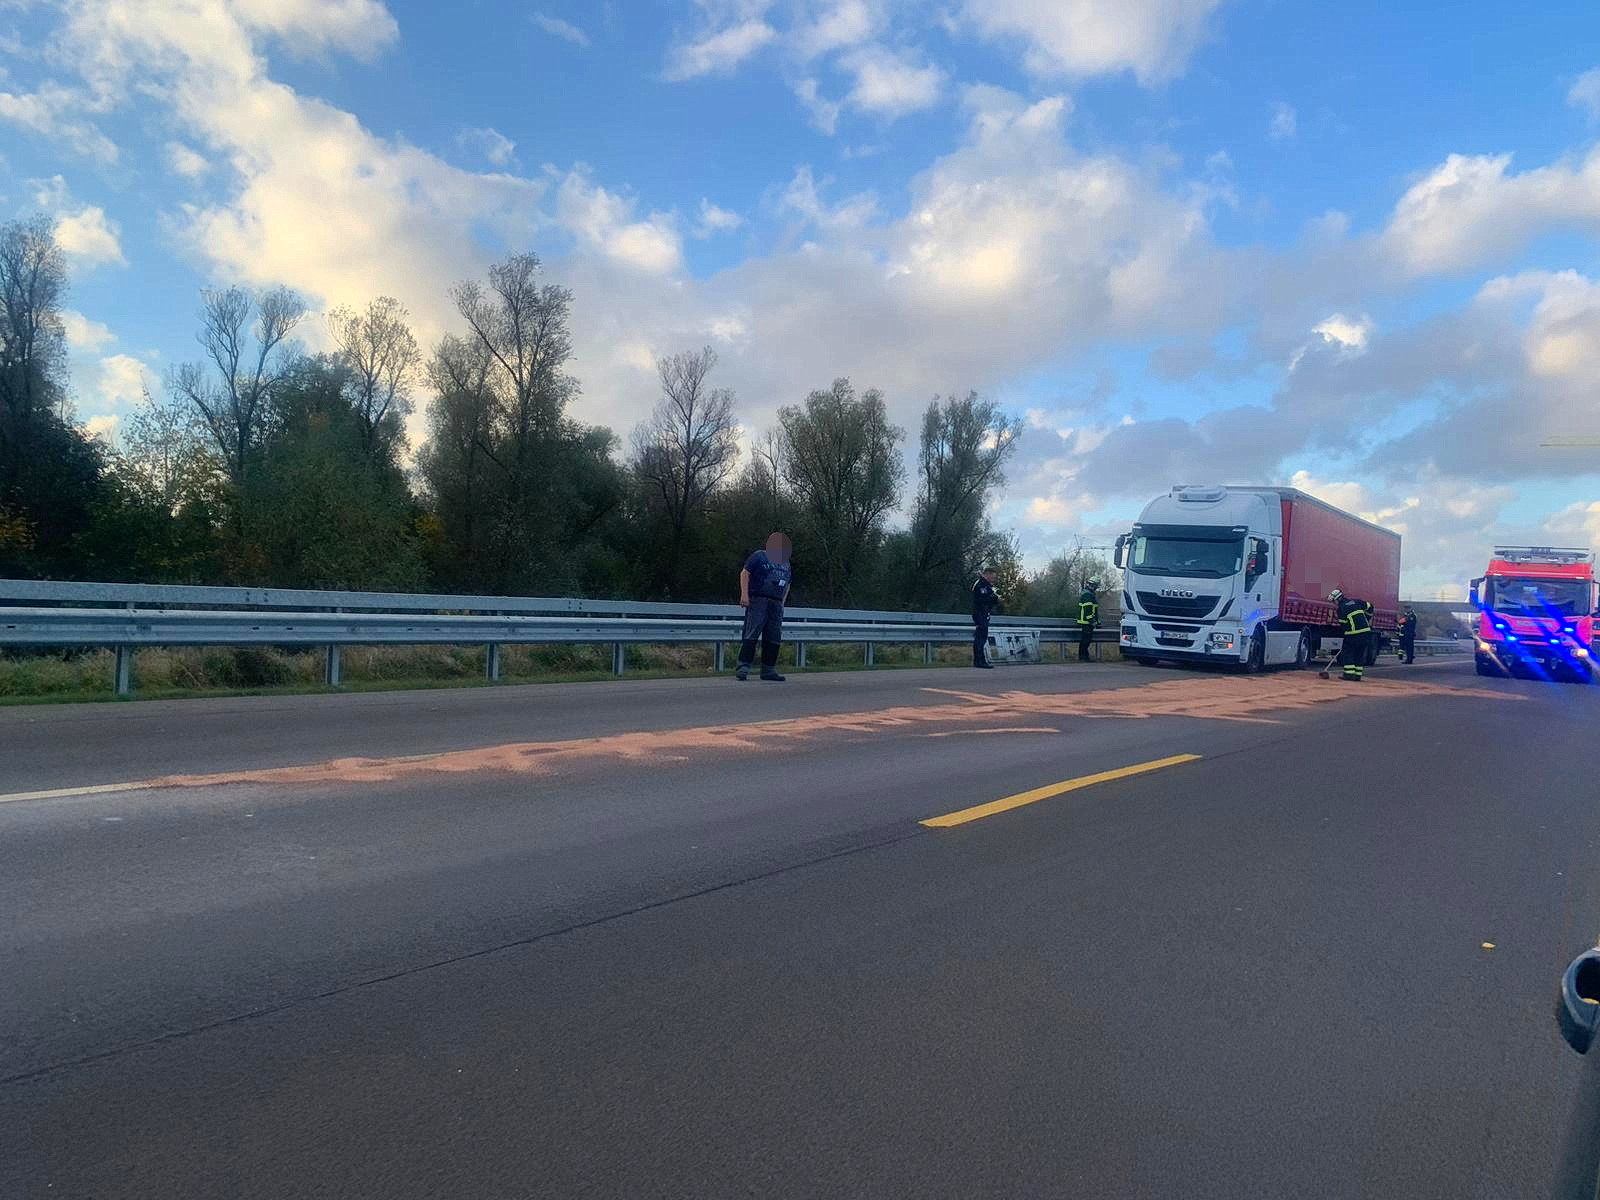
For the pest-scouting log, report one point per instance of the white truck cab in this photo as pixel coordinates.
(1203, 577)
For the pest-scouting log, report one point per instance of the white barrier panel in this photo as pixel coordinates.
(1014, 646)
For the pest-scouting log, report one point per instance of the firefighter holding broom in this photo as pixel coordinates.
(1356, 626)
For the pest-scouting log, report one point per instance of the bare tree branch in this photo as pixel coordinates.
(382, 356)
(234, 405)
(689, 446)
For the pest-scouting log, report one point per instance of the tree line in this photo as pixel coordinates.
(259, 464)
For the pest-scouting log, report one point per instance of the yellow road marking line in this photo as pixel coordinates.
(978, 812)
(98, 789)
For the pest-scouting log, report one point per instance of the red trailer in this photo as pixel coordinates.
(1242, 574)
(1325, 548)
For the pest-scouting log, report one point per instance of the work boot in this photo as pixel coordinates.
(772, 677)
(742, 673)
(984, 666)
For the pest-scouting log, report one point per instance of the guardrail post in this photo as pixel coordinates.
(491, 665)
(867, 657)
(619, 658)
(124, 670)
(330, 668)
(927, 654)
(799, 654)
(718, 656)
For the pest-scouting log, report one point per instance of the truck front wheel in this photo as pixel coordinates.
(1302, 653)
(1256, 662)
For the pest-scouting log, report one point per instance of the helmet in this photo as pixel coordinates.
(1336, 595)
(1092, 584)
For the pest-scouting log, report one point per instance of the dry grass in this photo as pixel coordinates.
(182, 671)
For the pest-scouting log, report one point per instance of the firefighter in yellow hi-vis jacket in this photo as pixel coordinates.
(1356, 626)
(1088, 617)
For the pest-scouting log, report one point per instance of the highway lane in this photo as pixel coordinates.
(737, 964)
(112, 742)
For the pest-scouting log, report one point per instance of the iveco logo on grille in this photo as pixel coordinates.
(1177, 592)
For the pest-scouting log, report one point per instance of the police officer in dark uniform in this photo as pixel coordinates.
(1408, 635)
(1088, 617)
(763, 587)
(984, 601)
(1357, 629)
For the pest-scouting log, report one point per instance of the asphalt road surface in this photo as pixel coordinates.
(694, 939)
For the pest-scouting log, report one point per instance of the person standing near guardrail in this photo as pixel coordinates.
(1408, 635)
(763, 587)
(1088, 617)
(984, 601)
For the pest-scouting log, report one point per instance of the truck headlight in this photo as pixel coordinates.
(1222, 639)
(1127, 633)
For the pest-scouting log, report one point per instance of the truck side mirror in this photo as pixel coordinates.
(1578, 1007)
(1473, 592)
(1119, 552)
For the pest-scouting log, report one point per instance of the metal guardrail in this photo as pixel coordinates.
(60, 614)
(160, 595)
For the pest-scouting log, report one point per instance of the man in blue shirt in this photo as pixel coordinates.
(763, 587)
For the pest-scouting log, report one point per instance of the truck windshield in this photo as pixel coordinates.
(1538, 597)
(1194, 557)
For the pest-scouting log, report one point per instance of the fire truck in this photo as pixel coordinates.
(1536, 612)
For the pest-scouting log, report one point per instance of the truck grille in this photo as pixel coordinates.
(1177, 606)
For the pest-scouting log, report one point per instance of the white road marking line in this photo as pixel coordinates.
(98, 789)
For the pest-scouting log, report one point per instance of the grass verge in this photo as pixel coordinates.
(166, 673)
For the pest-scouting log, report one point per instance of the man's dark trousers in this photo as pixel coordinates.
(1085, 640)
(980, 639)
(763, 621)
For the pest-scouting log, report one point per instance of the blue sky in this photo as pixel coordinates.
(1352, 248)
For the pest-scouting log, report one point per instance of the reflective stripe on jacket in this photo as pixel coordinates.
(1353, 616)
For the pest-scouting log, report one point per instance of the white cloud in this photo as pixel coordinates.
(1471, 209)
(603, 221)
(715, 220)
(891, 85)
(89, 236)
(565, 30)
(1579, 522)
(1352, 333)
(83, 231)
(56, 113)
(1151, 38)
(119, 380)
(803, 197)
(1284, 123)
(103, 427)
(1562, 343)
(824, 112)
(316, 200)
(1585, 93)
(84, 334)
(362, 28)
(1349, 495)
(493, 145)
(842, 24)
(1054, 512)
(719, 50)
(186, 161)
